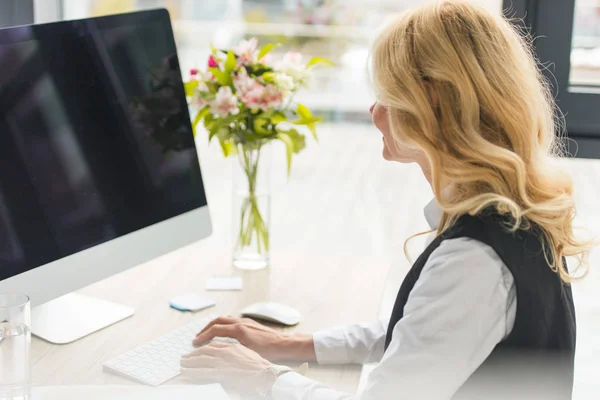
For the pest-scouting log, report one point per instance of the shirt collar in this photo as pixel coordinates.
(433, 214)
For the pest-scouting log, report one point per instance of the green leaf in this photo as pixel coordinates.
(298, 139)
(228, 147)
(229, 62)
(190, 87)
(313, 129)
(213, 50)
(265, 50)
(219, 130)
(209, 122)
(319, 60)
(310, 124)
(260, 125)
(223, 78)
(268, 77)
(289, 146)
(201, 114)
(278, 117)
(303, 111)
(207, 96)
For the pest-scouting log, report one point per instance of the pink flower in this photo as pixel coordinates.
(225, 103)
(244, 83)
(194, 71)
(246, 51)
(253, 98)
(263, 97)
(273, 97)
(212, 62)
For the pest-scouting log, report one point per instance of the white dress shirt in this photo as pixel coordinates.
(462, 306)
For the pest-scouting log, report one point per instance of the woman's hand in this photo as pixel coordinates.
(226, 363)
(265, 341)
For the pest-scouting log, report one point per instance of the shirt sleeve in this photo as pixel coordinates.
(293, 386)
(351, 344)
(454, 317)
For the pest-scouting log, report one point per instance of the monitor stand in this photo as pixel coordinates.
(73, 316)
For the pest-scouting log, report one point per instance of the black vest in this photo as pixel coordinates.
(536, 359)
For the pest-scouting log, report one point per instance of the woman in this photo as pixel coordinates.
(486, 311)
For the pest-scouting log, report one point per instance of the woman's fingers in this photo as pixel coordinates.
(232, 331)
(224, 320)
(227, 320)
(211, 349)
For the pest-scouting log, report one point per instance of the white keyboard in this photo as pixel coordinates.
(157, 361)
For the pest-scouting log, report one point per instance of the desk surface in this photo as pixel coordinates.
(338, 225)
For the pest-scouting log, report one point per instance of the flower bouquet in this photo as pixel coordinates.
(244, 99)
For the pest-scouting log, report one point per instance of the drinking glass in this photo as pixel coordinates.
(15, 343)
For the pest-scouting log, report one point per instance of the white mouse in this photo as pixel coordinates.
(273, 312)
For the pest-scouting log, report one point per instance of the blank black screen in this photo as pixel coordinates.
(95, 136)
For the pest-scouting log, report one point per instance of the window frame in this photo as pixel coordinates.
(551, 22)
(16, 12)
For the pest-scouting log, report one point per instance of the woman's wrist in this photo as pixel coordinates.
(299, 346)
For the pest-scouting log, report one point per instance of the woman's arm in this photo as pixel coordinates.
(341, 345)
(351, 344)
(462, 306)
(269, 343)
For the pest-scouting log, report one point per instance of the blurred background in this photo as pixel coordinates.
(567, 41)
(339, 30)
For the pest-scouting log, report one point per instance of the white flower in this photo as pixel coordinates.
(246, 51)
(284, 82)
(291, 65)
(225, 103)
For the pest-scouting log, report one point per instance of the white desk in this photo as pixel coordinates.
(338, 226)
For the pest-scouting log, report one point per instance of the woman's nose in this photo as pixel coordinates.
(372, 108)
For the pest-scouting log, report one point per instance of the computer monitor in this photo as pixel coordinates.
(98, 165)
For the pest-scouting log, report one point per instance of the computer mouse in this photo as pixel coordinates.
(273, 312)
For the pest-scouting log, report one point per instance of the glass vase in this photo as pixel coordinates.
(251, 207)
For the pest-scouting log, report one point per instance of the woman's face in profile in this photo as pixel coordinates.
(391, 150)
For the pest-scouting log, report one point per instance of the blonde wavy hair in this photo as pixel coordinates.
(463, 86)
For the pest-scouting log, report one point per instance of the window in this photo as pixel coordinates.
(340, 30)
(585, 53)
(567, 40)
